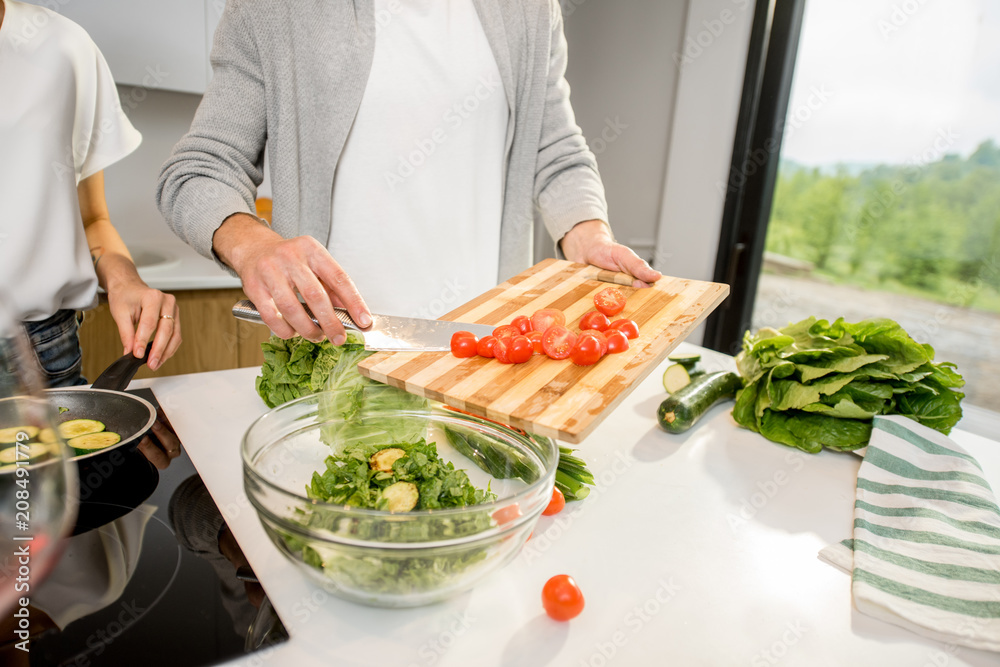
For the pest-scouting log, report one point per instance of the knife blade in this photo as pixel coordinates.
(388, 333)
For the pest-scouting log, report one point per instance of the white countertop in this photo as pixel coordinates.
(695, 549)
(183, 268)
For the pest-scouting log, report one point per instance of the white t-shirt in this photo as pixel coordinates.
(60, 122)
(418, 195)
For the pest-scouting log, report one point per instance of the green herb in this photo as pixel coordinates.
(358, 477)
(814, 384)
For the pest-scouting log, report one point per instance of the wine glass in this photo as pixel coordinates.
(38, 479)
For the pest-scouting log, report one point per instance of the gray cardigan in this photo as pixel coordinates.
(291, 73)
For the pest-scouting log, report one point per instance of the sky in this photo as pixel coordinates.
(879, 81)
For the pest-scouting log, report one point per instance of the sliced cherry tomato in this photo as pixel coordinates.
(501, 349)
(522, 323)
(617, 341)
(557, 341)
(586, 351)
(547, 317)
(505, 515)
(463, 346)
(557, 503)
(520, 349)
(485, 346)
(609, 301)
(599, 337)
(627, 327)
(595, 320)
(536, 341)
(562, 598)
(506, 331)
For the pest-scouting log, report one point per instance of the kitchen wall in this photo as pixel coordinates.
(162, 117)
(623, 79)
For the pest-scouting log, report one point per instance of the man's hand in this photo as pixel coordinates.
(590, 242)
(276, 270)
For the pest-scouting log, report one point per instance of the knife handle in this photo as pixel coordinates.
(605, 276)
(246, 311)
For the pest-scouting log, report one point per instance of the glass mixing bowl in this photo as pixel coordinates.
(401, 559)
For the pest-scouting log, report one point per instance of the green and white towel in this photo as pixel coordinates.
(926, 549)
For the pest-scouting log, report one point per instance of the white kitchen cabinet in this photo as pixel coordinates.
(149, 43)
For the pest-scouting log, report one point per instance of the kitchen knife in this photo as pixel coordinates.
(388, 332)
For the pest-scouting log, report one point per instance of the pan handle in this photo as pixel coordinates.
(120, 373)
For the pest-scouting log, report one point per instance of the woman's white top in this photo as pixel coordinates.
(60, 122)
(418, 194)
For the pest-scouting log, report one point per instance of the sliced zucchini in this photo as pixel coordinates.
(47, 435)
(682, 410)
(77, 427)
(92, 441)
(34, 450)
(675, 378)
(401, 496)
(688, 361)
(8, 436)
(382, 460)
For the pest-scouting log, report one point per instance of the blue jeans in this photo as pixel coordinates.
(56, 342)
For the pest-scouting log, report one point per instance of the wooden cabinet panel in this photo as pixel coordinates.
(212, 338)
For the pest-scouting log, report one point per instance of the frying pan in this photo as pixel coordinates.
(116, 479)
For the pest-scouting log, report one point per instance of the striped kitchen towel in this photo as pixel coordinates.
(926, 549)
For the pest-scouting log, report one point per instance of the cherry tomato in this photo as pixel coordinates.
(599, 337)
(586, 351)
(595, 320)
(547, 317)
(522, 323)
(557, 341)
(461, 334)
(627, 327)
(617, 341)
(557, 503)
(536, 341)
(501, 349)
(520, 349)
(485, 346)
(562, 598)
(506, 331)
(505, 515)
(463, 346)
(609, 301)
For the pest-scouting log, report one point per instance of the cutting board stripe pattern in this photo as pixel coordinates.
(545, 396)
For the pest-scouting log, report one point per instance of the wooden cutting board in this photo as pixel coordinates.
(545, 396)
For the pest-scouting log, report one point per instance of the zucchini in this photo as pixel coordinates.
(688, 361)
(8, 436)
(399, 497)
(92, 441)
(682, 410)
(33, 451)
(675, 378)
(77, 427)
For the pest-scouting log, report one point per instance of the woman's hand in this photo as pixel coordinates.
(140, 312)
(590, 242)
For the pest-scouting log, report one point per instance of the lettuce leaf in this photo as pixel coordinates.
(814, 384)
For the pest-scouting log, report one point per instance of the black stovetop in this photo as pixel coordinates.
(182, 603)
